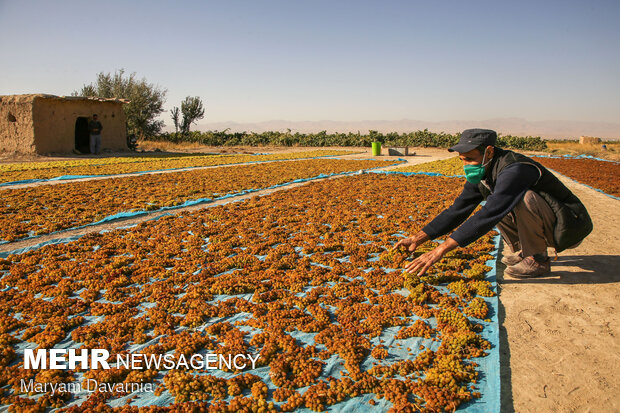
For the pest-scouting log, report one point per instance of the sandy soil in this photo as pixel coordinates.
(559, 344)
(558, 335)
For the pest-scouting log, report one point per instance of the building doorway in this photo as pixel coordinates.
(82, 137)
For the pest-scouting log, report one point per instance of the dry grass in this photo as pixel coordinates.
(165, 146)
(194, 147)
(575, 148)
(186, 147)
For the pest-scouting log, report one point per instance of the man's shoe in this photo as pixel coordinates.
(512, 259)
(529, 268)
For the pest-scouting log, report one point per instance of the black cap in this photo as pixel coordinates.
(472, 138)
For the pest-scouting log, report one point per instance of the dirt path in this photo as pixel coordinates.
(559, 336)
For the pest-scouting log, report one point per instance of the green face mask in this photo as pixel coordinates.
(475, 173)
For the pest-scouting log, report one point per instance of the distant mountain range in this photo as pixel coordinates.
(553, 129)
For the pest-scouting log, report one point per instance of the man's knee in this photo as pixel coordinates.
(530, 200)
(534, 203)
(526, 204)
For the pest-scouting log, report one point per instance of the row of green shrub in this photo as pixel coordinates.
(419, 138)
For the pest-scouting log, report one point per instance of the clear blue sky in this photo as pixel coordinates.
(337, 60)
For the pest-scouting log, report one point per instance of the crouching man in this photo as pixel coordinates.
(532, 209)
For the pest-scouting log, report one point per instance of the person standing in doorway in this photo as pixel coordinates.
(94, 128)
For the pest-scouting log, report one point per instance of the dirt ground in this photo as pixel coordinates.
(559, 346)
(559, 336)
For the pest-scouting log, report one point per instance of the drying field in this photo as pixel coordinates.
(44, 209)
(448, 167)
(303, 278)
(14, 172)
(603, 175)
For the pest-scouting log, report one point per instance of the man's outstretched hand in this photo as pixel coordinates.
(410, 243)
(426, 260)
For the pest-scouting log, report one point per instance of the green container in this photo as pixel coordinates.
(376, 148)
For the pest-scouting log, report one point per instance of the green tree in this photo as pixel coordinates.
(175, 118)
(192, 110)
(146, 100)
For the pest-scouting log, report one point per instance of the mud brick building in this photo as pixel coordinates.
(44, 124)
